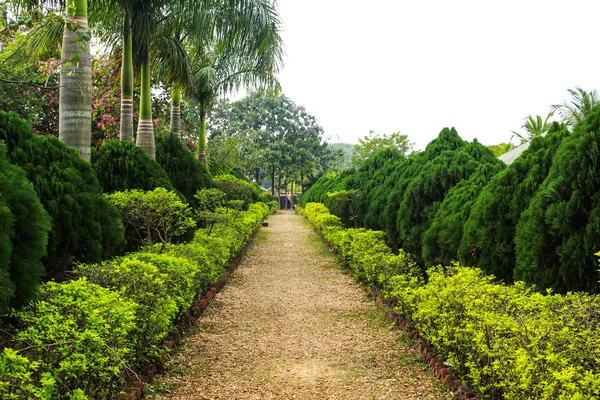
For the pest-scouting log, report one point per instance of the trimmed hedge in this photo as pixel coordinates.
(76, 338)
(507, 341)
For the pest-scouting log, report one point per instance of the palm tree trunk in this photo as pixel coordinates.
(126, 129)
(75, 102)
(145, 133)
(202, 144)
(176, 111)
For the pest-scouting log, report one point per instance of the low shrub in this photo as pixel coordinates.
(157, 216)
(75, 336)
(508, 341)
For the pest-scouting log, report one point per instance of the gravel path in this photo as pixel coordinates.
(289, 325)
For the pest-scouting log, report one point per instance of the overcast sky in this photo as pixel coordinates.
(421, 65)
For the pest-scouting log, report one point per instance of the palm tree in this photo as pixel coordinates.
(250, 59)
(534, 126)
(75, 93)
(575, 110)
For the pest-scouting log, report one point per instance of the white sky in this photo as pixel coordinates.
(421, 65)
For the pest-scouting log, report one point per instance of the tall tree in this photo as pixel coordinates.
(370, 144)
(534, 127)
(574, 111)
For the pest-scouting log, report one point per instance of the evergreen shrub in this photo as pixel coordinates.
(183, 169)
(121, 165)
(85, 226)
(23, 236)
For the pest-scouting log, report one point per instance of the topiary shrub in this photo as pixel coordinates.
(559, 232)
(157, 216)
(24, 227)
(85, 226)
(121, 165)
(236, 189)
(184, 171)
(78, 334)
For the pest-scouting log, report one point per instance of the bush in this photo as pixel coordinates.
(143, 284)
(184, 171)
(121, 165)
(85, 226)
(489, 232)
(559, 232)
(236, 189)
(76, 335)
(158, 216)
(442, 240)
(23, 235)
(507, 341)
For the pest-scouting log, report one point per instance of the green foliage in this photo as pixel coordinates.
(559, 232)
(85, 226)
(499, 149)
(236, 189)
(426, 191)
(121, 165)
(509, 342)
(23, 235)
(144, 284)
(441, 241)
(158, 216)
(372, 143)
(489, 232)
(76, 335)
(184, 171)
(17, 378)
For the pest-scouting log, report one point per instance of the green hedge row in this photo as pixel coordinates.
(509, 342)
(75, 340)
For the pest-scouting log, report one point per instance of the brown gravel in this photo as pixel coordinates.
(290, 325)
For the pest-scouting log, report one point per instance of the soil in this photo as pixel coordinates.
(290, 325)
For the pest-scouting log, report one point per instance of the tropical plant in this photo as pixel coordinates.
(534, 127)
(581, 104)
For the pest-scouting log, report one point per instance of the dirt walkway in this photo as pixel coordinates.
(289, 325)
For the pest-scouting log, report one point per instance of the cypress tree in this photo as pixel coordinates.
(559, 233)
(489, 232)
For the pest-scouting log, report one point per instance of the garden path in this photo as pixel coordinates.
(290, 325)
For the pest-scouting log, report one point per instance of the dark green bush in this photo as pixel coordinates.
(121, 165)
(559, 233)
(85, 226)
(78, 334)
(24, 227)
(489, 232)
(441, 241)
(184, 171)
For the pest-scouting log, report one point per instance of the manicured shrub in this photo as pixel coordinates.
(144, 284)
(183, 169)
(85, 226)
(76, 336)
(559, 232)
(427, 190)
(509, 342)
(157, 216)
(442, 240)
(236, 189)
(182, 276)
(489, 232)
(23, 235)
(121, 165)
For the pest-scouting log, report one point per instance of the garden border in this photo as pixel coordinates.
(183, 324)
(441, 371)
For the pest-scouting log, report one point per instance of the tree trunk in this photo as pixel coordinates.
(257, 175)
(202, 144)
(126, 129)
(176, 111)
(145, 133)
(273, 182)
(75, 101)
